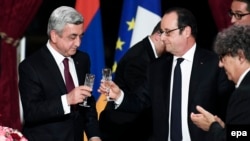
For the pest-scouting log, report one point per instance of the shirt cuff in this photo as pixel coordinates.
(95, 139)
(119, 100)
(66, 107)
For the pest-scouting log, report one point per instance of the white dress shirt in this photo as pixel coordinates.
(187, 66)
(59, 61)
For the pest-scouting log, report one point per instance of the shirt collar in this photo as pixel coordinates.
(153, 47)
(189, 55)
(241, 77)
(57, 56)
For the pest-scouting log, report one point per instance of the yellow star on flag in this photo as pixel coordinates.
(119, 43)
(131, 24)
(114, 67)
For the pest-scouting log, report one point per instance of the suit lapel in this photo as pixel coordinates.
(164, 81)
(80, 75)
(162, 78)
(82, 65)
(50, 62)
(149, 49)
(198, 70)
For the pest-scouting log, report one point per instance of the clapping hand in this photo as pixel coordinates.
(204, 119)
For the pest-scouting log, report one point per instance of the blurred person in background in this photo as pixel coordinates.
(130, 74)
(240, 12)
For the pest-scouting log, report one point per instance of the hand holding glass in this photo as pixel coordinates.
(89, 81)
(106, 77)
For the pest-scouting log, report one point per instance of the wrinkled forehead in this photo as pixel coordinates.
(169, 21)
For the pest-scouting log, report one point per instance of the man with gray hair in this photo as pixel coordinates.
(232, 46)
(51, 84)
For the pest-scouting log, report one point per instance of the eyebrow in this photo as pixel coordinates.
(237, 11)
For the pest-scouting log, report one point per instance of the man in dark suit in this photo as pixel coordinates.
(51, 110)
(203, 82)
(130, 73)
(232, 45)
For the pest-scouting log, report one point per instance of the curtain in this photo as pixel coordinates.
(219, 9)
(15, 16)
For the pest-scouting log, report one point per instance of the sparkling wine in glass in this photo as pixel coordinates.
(89, 81)
(107, 76)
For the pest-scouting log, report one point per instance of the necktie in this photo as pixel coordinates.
(175, 125)
(68, 79)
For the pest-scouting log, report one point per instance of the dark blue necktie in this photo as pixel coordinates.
(175, 125)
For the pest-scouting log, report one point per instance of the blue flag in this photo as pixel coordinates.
(137, 21)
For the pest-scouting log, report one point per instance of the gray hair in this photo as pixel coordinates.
(61, 16)
(233, 39)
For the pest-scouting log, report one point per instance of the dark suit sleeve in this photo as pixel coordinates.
(138, 100)
(131, 74)
(91, 122)
(216, 132)
(33, 85)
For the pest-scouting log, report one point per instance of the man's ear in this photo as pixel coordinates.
(187, 31)
(53, 36)
(242, 56)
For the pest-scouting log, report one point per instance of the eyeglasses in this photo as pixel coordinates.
(167, 33)
(237, 16)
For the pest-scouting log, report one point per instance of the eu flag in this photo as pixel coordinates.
(137, 21)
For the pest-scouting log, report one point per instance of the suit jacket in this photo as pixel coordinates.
(130, 73)
(238, 112)
(41, 86)
(209, 87)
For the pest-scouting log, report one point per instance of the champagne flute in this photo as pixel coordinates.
(107, 76)
(89, 81)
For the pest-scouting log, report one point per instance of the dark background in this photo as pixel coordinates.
(111, 11)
